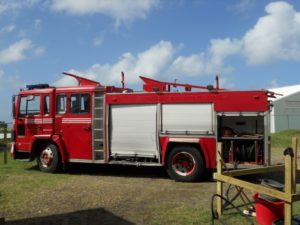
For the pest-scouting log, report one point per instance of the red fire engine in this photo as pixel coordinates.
(92, 123)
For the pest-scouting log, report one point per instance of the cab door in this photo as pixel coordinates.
(74, 123)
(47, 114)
(29, 121)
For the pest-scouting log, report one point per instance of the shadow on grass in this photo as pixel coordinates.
(114, 170)
(86, 217)
(277, 176)
(129, 171)
(118, 170)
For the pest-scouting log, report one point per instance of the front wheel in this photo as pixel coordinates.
(185, 164)
(49, 159)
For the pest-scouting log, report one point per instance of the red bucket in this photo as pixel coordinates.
(267, 212)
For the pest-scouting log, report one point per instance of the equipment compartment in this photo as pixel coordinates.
(242, 136)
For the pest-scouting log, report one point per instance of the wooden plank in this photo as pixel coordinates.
(266, 169)
(5, 142)
(219, 159)
(219, 200)
(254, 187)
(219, 183)
(288, 179)
(294, 164)
(288, 213)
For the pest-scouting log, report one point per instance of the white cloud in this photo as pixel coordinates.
(19, 51)
(40, 50)
(151, 63)
(275, 36)
(7, 81)
(226, 82)
(98, 41)
(209, 62)
(15, 52)
(7, 29)
(124, 11)
(242, 6)
(220, 49)
(37, 23)
(273, 84)
(13, 6)
(191, 65)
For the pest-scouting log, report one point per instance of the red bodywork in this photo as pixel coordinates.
(72, 133)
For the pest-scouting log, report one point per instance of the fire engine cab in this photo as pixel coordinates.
(180, 130)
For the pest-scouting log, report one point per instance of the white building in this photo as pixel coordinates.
(2, 136)
(286, 110)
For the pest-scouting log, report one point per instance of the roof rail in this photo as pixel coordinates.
(161, 86)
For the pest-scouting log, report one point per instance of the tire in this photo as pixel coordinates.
(49, 159)
(185, 164)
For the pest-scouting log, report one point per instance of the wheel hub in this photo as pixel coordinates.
(46, 157)
(183, 163)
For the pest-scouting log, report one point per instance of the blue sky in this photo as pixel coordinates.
(251, 44)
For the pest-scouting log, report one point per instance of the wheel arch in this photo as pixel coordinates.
(61, 147)
(39, 143)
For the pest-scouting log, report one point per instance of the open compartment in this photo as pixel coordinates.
(243, 137)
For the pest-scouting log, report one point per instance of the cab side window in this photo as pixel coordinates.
(80, 104)
(30, 105)
(61, 104)
(46, 105)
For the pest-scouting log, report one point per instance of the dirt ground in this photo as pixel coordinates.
(109, 195)
(102, 194)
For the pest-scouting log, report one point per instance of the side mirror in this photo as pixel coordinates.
(14, 106)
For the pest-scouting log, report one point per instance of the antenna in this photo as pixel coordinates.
(123, 81)
(217, 83)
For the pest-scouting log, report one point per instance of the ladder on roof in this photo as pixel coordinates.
(98, 127)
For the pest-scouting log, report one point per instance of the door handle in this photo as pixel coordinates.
(87, 128)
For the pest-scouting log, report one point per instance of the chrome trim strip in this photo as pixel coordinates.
(81, 160)
(185, 140)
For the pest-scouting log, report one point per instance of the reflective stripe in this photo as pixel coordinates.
(64, 120)
(39, 121)
(76, 120)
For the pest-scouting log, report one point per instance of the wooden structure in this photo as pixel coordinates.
(4, 144)
(288, 196)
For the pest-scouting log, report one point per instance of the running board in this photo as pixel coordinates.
(22, 156)
(124, 162)
(23, 160)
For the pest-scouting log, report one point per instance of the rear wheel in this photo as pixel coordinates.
(185, 163)
(49, 159)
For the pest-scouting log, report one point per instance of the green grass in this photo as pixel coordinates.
(281, 140)
(20, 182)
(25, 192)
